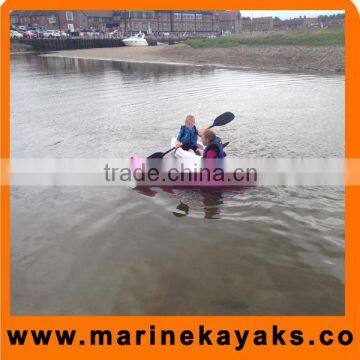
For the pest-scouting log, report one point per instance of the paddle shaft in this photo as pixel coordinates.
(169, 151)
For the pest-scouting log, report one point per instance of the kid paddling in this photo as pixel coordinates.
(188, 134)
(213, 145)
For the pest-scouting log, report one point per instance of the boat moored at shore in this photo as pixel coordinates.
(136, 40)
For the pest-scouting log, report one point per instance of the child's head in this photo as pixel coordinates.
(190, 121)
(208, 137)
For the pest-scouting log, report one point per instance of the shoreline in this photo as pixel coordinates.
(147, 62)
(324, 60)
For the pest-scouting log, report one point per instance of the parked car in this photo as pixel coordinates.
(89, 33)
(30, 34)
(94, 33)
(21, 28)
(64, 34)
(114, 33)
(49, 34)
(84, 33)
(15, 35)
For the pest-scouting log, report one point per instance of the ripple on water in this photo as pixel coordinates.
(275, 250)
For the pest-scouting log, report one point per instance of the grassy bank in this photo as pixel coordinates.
(318, 37)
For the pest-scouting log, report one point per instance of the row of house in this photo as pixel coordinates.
(62, 20)
(125, 21)
(302, 22)
(168, 21)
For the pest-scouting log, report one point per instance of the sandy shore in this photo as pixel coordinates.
(302, 59)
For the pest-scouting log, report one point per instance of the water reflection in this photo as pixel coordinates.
(288, 257)
(86, 106)
(207, 202)
(58, 66)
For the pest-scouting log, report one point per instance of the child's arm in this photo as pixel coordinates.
(178, 142)
(181, 132)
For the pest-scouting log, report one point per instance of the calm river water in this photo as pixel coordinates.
(113, 250)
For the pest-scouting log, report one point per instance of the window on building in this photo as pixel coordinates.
(198, 16)
(69, 15)
(150, 15)
(177, 16)
(189, 16)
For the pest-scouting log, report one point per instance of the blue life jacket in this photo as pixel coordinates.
(215, 145)
(188, 136)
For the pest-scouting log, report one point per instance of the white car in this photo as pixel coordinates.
(49, 34)
(15, 35)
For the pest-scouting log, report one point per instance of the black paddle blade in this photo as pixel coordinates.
(157, 155)
(224, 119)
(160, 155)
(225, 144)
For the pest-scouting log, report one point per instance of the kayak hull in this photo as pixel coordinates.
(186, 169)
(194, 173)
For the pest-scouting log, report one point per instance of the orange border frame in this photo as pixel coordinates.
(311, 325)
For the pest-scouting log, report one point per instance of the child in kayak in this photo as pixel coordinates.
(213, 145)
(188, 134)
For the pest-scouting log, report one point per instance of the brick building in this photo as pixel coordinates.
(257, 24)
(311, 22)
(64, 20)
(230, 21)
(331, 22)
(297, 23)
(98, 20)
(195, 21)
(135, 21)
(167, 21)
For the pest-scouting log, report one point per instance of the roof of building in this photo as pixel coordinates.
(228, 15)
(91, 13)
(33, 13)
(262, 20)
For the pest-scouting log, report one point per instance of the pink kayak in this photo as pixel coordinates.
(190, 172)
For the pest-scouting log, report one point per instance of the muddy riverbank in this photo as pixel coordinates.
(18, 47)
(286, 58)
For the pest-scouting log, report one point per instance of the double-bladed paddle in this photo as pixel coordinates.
(221, 120)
